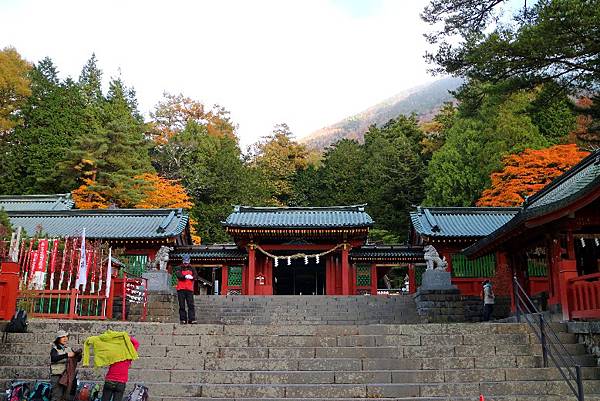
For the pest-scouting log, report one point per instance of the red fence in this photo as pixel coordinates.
(584, 296)
(44, 280)
(63, 304)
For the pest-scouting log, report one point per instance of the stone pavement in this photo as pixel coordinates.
(419, 362)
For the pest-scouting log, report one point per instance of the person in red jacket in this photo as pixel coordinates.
(185, 291)
(117, 377)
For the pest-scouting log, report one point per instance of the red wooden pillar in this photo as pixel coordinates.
(9, 286)
(251, 268)
(351, 279)
(504, 278)
(568, 270)
(268, 273)
(224, 279)
(412, 279)
(329, 276)
(373, 279)
(345, 271)
(554, 258)
(338, 275)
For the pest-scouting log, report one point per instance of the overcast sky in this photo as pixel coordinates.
(307, 63)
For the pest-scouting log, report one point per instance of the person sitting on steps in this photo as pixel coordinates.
(185, 291)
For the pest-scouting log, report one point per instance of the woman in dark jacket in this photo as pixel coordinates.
(58, 364)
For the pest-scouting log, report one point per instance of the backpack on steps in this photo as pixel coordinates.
(18, 324)
(87, 391)
(138, 393)
(17, 391)
(40, 392)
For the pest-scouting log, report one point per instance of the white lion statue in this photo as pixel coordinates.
(162, 258)
(433, 260)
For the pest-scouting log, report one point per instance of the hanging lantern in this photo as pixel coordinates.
(317, 259)
(276, 262)
(289, 261)
(582, 242)
(305, 259)
(597, 241)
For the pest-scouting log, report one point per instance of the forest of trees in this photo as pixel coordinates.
(529, 110)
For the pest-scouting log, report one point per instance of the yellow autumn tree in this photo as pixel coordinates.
(14, 87)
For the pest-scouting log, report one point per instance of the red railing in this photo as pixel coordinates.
(584, 296)
(63, 304)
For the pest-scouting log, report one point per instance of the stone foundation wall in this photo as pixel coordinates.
(588, 334)
(162, 307)
(441, 306)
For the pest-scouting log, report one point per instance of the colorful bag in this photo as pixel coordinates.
(17, 391)
(87, 391)
(41, 391)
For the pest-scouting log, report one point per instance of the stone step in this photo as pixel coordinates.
(537, 390)
(375, 390)
(48, 327)
(488, 398)
(177, 347)
(318, 361)
(426, 343)
(313, 377)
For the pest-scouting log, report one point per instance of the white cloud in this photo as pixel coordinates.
(307, 62)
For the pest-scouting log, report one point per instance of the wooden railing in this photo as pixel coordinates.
(584, 296)
(63, 304)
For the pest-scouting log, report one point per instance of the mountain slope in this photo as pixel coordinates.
(423, 100)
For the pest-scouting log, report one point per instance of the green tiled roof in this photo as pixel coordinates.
(388, 252)
(582, 179)
(104, 223)
(470, 222)
(299, 217)
(209, 252)
(19, 203)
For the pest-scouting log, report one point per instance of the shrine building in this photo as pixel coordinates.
(139, 232)
(559, 229)
(298, 251)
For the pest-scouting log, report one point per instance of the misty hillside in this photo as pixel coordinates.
(424, 100)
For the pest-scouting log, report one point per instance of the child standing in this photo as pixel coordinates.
(117, 377)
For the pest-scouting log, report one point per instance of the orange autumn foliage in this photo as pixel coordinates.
(160, 193)
(528, 172)
(163, 193)
(86, 198)
(170, 194)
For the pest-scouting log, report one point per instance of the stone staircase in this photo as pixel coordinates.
(318, 362)
(312, 309)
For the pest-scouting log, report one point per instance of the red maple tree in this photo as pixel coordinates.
(526, 173)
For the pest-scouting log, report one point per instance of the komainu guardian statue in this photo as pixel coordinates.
(433, 260)
(161, 259)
